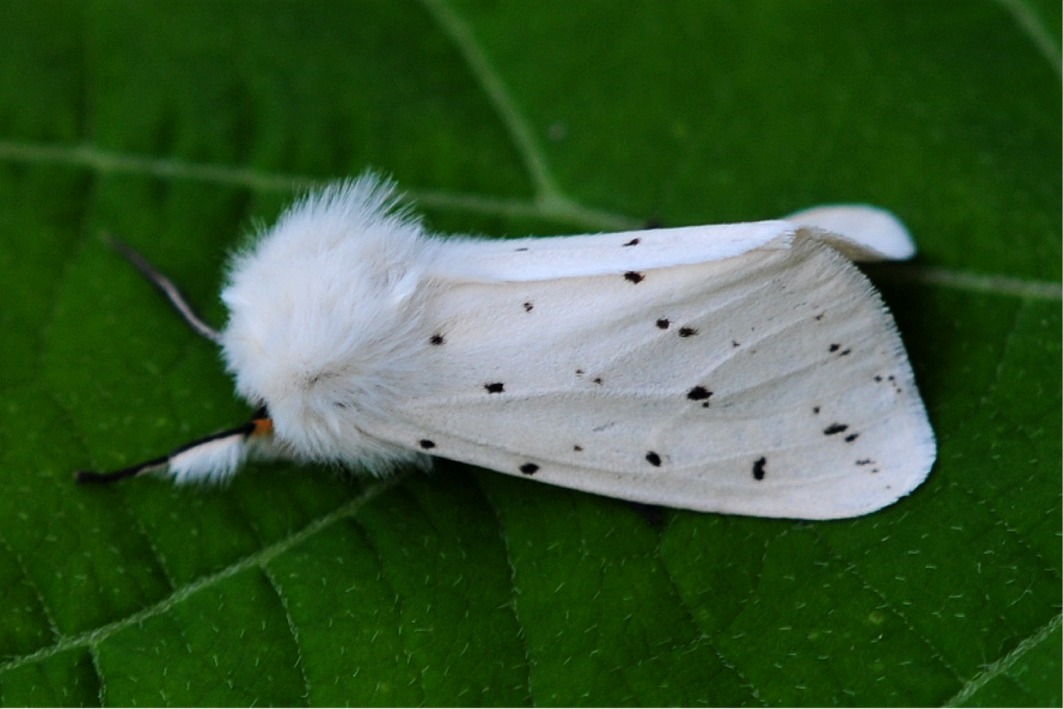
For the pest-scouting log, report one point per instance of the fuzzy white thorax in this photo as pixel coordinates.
(321, 310)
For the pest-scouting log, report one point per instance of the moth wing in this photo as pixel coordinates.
(860, 231)
(769, 383)
(533, 259)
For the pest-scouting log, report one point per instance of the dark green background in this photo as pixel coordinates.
(180, 126)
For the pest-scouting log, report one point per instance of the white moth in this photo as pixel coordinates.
(743, 368)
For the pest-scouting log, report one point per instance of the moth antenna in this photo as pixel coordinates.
(211, 458)
(165, 286)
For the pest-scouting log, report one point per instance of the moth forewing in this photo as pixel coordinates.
(772, 383)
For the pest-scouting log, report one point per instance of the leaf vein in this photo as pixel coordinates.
(1036, 31)
(498, 94)
(513, 588)
(850, 567)
(995, 669)
(282, 598)
(704, 637)
(257, 559)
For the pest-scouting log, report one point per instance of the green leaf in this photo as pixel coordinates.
(182, 126)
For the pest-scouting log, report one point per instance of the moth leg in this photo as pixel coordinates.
(91, 476)
(211, 458)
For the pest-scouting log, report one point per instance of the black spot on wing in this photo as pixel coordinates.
(437, 339)
(581, 372)
(577, 449)
(663, 323)
(758, 468)
(426, 444)
(495, 388)
(835, 428)
(653, 459)
(529, 468)
(522, 248)
(862, 462)
(851, 437)
(699, 393)
(815, 409)
(634, 276)
(835, 347)
(633, 242)
(528, 306)
(688, 331)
